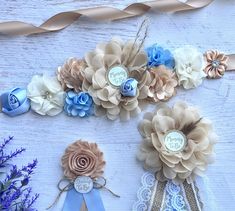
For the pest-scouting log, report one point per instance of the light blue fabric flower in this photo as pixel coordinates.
(129, 87)
(78, 104)
(15, 102)
(159, 56)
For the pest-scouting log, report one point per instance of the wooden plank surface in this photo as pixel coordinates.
(46, 138)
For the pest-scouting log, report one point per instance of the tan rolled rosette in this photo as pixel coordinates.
(83, 159)
(195, 156)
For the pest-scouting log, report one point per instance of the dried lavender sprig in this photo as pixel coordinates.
(5, 158)
(32, 200)
(5, 142)
(14, 186)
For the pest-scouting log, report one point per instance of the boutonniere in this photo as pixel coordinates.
(177, 147)
(83, 166)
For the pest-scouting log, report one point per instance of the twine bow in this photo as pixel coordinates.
(98, 183)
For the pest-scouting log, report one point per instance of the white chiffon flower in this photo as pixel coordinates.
(189, 65)
(46, 95)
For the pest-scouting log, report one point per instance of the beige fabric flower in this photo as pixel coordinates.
(70, 74)
(83, 159)
(163, 84)
(107, 97)
(185, 164)
(216, 64)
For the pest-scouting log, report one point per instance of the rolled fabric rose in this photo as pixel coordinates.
(158, 56)
(78, 104)
(15, 102)
(129, 87)
(83, 159)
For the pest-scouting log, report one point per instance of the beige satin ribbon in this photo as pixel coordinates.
(231, 62)
(64, 19)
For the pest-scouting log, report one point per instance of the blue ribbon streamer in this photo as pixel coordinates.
(74, 200)
(15, 102)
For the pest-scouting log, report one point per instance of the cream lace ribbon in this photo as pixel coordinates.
(64, 19)
(160, 196)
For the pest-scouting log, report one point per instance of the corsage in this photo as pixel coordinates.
(83, 166)
(177, 147)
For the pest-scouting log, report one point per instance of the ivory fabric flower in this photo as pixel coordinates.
(216, 64)
(163, 84)
(197, 151)
(108, 66)
(83, 159)
(70, 75)
(189, 66)
(46, 95)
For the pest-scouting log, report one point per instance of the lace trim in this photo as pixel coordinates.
(173, 196)
(144, 193)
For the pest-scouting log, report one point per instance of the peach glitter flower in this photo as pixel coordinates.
(163, 84)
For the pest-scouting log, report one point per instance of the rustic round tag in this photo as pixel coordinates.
(175, 141)
(117, 75)
(83, 184)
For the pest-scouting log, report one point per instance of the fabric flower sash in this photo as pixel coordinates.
(116, 78)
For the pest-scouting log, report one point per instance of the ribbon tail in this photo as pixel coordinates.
(73, 201)
(93, 200)
(64, 19)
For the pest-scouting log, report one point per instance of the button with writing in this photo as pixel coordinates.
(175, 141)
(83, 184)
(117, 75)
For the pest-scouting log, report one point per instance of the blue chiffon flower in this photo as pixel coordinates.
(159, 56)
(129, 87)
(78, 104)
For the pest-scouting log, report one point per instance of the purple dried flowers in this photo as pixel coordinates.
(15, 194)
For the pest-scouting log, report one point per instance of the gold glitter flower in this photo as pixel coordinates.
(70, 75)
(163, 84)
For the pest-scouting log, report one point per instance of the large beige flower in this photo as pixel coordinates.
(83, 159)
(163, 84)
(106, 95)
(197, 152)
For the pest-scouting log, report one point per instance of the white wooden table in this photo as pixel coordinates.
(46, 138)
